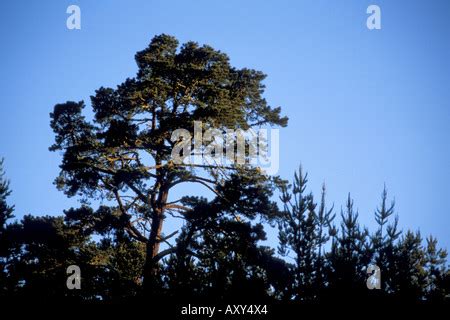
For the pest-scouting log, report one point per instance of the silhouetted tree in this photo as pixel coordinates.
(6, 213)
(438, 276)
(409, 281)
(349, 256)
(123, 157)
(302, 231)
(383, 242)
(324, 220)
(218, 255)
(125, 153)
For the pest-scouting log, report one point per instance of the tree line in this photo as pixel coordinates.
(121, 158)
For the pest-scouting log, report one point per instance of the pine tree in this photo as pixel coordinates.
(324, 220)
(299, 233)
(6, 213)
(218, 254)
(383, 242)
(437, 286)
(349, 257)
(125, 153)
(409, 280)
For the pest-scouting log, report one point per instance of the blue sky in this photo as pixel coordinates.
(365, 107)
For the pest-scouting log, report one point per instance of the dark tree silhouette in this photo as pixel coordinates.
(383, 241)
(123, 157)
(302, 231)
(218, 254)
(349, 256)
(6, 213)
(218, 251)
(125, 152)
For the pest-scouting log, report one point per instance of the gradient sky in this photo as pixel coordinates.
(365, 107)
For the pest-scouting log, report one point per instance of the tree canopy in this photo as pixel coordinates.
(122, 156)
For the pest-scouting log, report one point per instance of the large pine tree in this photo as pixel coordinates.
(124, 154)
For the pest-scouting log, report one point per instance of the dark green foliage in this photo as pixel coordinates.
(124, 154)
(6, 211)
(438, 275)
(410, 270)
(384, 242)
(349, 256)
(218, 255)
(123, 157)
(41, 249)
(302, 231)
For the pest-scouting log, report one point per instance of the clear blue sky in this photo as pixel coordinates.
(365, 107)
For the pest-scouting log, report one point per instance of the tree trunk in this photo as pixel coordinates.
(153, 244)
(151, 265)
